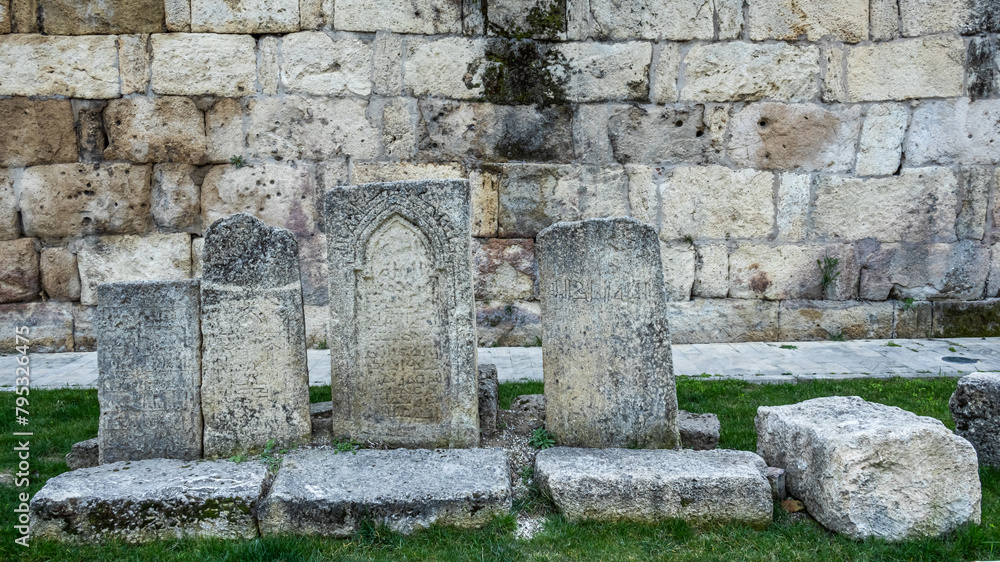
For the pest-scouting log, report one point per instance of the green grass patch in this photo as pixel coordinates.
(60, 418)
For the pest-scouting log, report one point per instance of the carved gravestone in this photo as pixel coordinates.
(402, 332)
(255, 386)
(605, 346)
(149, 365)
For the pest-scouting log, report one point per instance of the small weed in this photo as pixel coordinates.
(322, 345)
(892, 344)
(538, 342)
(907, 303)
(689, 239)
(828, 269)
(346, 445)
(527, 473)
(786, 346)
(238, 458)
(237, 161)
(541, 439)
(952, 349)
(839, 336)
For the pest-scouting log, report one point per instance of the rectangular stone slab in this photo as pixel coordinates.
(149, 364)
(141, 501)
(402, 320)
(651, 485)
(321, 492)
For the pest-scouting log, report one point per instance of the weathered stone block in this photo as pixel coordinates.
(698, 431)
(50, 325)
(925, 271)
(954, 132)
(488, 397)
(428, 17)
(717, 202)
(282, 195)
(884, 19)
(111, 259)
(834, 453)
(315, 64)
(168, 129)
(5, 16)
(506, 269)
(701, 487)
(515, 324)
(711, 271)
(399, 135)
(812, 320)
(255, 386)
(929, 67)
(723, 320)
(882, 139)
(224, 130)
(268, 65)
(739, 71)
(794, 193)
(90, 134)
(529, 405)
(149, 365)
(83, 454)
(245, 16)
(194, 64)
(534, 196)
(10, 222)
(448, 67)
(966, 319)
(19, 279)
(975, 407)
(805, 137)
(658, 134)
(402, 339)
(36, 132)
(315, 14)
(648, 19)
(68, 17)
(607, 71)
(178, 15)
(314, 128)
(176, 197)
(667, 72)
(84, 336)
(842, 20)
(150, 500)
(60, 276)
(375, 172)
(779, 272)
(918, 205)
(604, 319)
(913, 319)
(387, 74)
(678, 259)
(321, 493)
(133, 63)
(75, 67)
(924, 17)
(982, 78)
(975, 186)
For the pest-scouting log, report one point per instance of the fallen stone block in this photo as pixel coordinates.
(698, 431)
(975, 407)
(321, 492)
(83, 454)
(141, 501)
(869, 470)
(650, 485)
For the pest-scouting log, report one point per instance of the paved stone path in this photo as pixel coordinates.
(756, 362)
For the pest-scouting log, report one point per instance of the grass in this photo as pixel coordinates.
(61, 417)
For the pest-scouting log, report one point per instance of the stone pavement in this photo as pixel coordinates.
(755, 362)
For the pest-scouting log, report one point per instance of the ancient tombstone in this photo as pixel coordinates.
(255, 386)
(605, 346)
(402, 321)
(149, 364)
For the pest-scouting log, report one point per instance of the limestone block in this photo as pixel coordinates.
(485, 186)
(195, 64)
(315, 64)
(280, 194)
(534, 196)
(842, 20)
(926, 271)
(794, 191)
(488, 396)
(643, 192)
(930, 67)
(723, 320)
(918, 205)
(966, 319)
(974, 193)
(133, 63)
(717, 202)
(729, 14)
(790, 271)
(176, 197)
(69, 17)
(954, 132)
(698, 431)
(592, 144)
(313, 128)
(5, 16)
(167, 129)
(60, 275)
(834, 453)
(268, 64)
(50, 325)
(739, 71)
(884, 18)
(835, 82)
(993, 282)
(700, 487)
(427, 17)
(387, 75)
(804, 320)
(176, 499)
(607, 71)
(924, 17)
(313, 269)
(448, 67)
(667, 73)
(647, 19)
(398, 126)
(224, 130)
(506, 269)
(711, 271)
(315, 14)
(913, 319)
(36, 132)
(84, 336)
(19, 278)
(75, 67)
(245, 16)
(10, 224)
(149, 371)
(83, 454)
(645, 134)
(90, 133)
(454, 131)
(982, 64)
(975, 407)
(609, 378)
(882, 139)
(178, 15)
(678, 260)
(321, 493)
(111, 259)
(374, 172)
(24, 16)
(515, 324)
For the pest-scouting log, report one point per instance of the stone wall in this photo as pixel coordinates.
(758, 137)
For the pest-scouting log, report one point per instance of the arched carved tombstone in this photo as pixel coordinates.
(609, 378)
(402, 321)
(255, 386)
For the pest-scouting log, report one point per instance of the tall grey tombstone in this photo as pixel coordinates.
(255, 386)
(149, 371)
(609, 378)
(402, 320)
